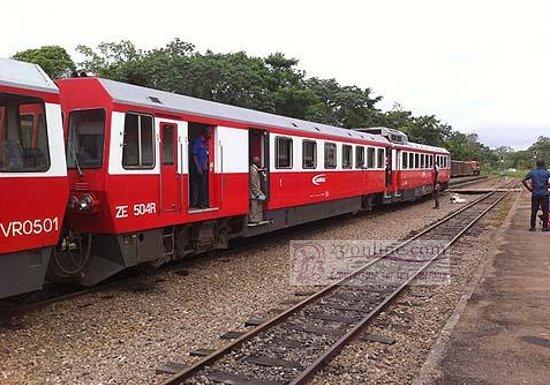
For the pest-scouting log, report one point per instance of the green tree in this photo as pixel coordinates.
(273, 84)
(53, 59)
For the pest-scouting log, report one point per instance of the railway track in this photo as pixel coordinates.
(465, 181)
(291, 347)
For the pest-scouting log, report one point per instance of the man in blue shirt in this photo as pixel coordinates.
(540, 179)
(199, 170)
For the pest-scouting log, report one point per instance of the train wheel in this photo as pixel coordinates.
(72, 255)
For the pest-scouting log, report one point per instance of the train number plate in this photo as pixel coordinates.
(29, 227)
(139, 209)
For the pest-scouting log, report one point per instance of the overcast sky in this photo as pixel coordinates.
(482, 66)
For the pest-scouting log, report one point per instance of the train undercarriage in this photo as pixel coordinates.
(87, 259)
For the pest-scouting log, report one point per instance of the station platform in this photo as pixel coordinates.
(503, 334)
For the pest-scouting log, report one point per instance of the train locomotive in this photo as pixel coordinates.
(128, 181)
(465, 168)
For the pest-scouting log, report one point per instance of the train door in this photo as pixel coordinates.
(258, 142)
(397, 173)
(169, 170)
(204, 187)
(389, 169)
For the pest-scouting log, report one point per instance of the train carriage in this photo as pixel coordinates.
(33, 175)
(465, 168)
(128, 155)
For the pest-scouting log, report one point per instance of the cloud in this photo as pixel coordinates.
(481, 66)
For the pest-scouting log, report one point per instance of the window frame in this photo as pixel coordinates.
(380, 150)
(304, 143)
(371, 157)
(350, 158)
(42, 103)
(174, 136)
(153, 137)
(335, 146)
(104, 135)
(290, 156)
(404, 160)
(357, 148)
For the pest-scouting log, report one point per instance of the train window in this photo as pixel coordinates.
(411, 160)
(283, 152)
(138, 148)
(23, 135)
(371, 158)
(309, 154)
(404, 160)
(359, 156)
(431, 161)
(168, 145)
(380, 158)
(330, 155)
(347, 156)
(423, 160)
(417, 160)
(86, 138)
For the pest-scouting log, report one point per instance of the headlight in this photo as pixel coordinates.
(85, 203)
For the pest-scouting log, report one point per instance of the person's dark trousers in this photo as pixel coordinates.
(435, 195)
(198, 193)
(543, 203)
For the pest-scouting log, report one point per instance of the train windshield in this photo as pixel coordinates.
(23, 134)
(86, 138)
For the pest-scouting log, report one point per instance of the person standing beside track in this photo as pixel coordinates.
(540, 196)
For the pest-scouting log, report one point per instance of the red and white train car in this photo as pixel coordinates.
(128, 158)
(33, 175)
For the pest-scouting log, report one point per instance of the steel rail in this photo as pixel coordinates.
(338, 345)
(186, 373)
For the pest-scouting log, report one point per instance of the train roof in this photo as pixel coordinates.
(425, 147)
(19, 74)
(147, 97)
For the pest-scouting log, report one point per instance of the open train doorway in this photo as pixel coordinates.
(201, 167)
(258, 160)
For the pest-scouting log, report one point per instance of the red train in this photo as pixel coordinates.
(33, 176)
(465, 168)
(128, 157)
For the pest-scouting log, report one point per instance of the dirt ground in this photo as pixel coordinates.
(503, 337)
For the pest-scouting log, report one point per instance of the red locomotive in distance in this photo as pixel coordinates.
(465, 168)
(33, 176)
(129, 162)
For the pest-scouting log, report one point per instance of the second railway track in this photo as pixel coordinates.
(291, 347)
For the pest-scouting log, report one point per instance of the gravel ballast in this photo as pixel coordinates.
(416, 319)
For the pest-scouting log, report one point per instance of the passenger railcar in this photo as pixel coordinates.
(128, 156)
(33, 176)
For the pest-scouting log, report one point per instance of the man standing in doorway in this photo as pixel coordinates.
(257, 197)
(540, 179)
(199, 170)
